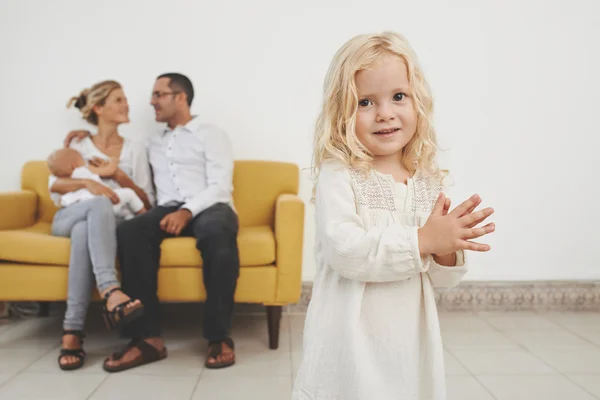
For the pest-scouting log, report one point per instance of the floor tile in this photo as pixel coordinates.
(477, 340)
(519, 321)
(17, 359)
(591, 383)
(592, 336)
(465, 388)
(259, 363)
(5, 376)
(534, 387)
(487, 356)
(549, 339)
(571, 361)
(296, 361)
(463, 322)
(452, 366)
(297, 332)
(501, 362)
(575, 320)
(125, 387)
(232, 386)
(55, 386)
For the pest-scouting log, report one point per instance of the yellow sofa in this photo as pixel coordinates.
(34, 264)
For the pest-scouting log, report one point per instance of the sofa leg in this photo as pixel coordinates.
(44, 310)
(274, 323)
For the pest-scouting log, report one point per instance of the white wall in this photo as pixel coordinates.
(516, 83)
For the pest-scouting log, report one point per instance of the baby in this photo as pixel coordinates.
(68, 163)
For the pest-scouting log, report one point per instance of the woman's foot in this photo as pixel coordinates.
(71, 354)
(119, 309)
(118, 297)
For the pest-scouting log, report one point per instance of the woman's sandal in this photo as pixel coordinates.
(148, 355)
(215, 349)
(121, 314)
(77, 353)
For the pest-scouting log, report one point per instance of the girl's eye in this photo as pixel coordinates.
(399, 96)
(364, 103)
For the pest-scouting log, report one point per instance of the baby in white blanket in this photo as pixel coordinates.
(68, 163)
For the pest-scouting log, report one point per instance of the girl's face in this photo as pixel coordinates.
(386, 119)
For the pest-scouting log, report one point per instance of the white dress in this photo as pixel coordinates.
(372, 330)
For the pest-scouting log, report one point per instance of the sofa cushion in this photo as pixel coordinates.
(35, 245)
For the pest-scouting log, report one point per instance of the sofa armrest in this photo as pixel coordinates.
(289, 235)
(17, 209)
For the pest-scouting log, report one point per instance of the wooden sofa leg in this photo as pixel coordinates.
(44, 310)
(274, 323)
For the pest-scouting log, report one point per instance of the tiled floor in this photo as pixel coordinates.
(499, 356)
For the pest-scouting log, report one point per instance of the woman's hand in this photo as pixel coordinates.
(104, 168)
(447, 232)
(101, 190)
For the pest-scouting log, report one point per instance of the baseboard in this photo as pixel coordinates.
(504, 296)
(469, 296)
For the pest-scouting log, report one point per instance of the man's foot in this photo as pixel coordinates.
(220, 354)
(71, 354)
(137, 352)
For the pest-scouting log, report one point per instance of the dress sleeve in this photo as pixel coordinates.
(447, 277)
(377, 254)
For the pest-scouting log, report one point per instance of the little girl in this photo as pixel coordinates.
(385, 236)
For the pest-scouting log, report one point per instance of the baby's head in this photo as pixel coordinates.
(376, 104)
(62, 162)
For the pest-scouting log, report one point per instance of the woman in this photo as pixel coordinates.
(91, 224)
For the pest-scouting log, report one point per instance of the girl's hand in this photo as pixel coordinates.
(447, 232)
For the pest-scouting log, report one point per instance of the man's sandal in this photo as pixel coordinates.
(77, 353)
(149, 354)
(215, 349)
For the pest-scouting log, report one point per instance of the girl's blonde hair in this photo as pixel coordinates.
(94, 96)
(335, 135)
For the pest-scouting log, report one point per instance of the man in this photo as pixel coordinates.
(192, 166)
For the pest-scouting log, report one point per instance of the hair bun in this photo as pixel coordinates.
(81, 101)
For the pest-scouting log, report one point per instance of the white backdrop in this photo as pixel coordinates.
(516, 85)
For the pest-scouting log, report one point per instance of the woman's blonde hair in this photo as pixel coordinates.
(335, 135)
(94, 96)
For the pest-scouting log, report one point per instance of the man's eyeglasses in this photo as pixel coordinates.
(158, 95)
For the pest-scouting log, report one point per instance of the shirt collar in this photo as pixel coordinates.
(191, 126)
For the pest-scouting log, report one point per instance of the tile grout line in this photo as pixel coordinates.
(566, 328)
(19, 372)
(522, 347)
(97, 387)
(465, 367)
(197, 383)
(528, 351)
(564, 375)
